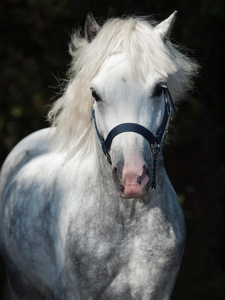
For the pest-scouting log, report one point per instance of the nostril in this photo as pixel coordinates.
(117, 180)
(114, 170)
(140, 177)
(146, 171)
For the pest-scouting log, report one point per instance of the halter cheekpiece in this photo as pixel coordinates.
(153, 139)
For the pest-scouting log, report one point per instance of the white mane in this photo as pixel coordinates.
(147, 52)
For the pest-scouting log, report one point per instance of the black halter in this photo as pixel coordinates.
(153, 139)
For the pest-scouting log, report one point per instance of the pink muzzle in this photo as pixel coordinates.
(134, 180)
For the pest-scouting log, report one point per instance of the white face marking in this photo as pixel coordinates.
(124, 99)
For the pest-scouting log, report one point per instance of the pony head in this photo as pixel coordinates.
(123, 67)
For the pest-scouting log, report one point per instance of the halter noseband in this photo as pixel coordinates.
(147, 134)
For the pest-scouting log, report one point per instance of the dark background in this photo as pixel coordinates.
(34, 58)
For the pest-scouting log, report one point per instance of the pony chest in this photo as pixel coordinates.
(96, 254)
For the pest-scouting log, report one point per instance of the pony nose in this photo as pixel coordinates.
(134, 181)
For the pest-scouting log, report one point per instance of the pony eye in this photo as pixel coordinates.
(158, 91)
(96, 96)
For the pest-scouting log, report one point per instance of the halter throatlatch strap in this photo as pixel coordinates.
(137, 128)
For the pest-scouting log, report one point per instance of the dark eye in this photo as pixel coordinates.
(96, 96)
(158, 91)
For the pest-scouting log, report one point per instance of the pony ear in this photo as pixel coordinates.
(91, 27)
(164, 28)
